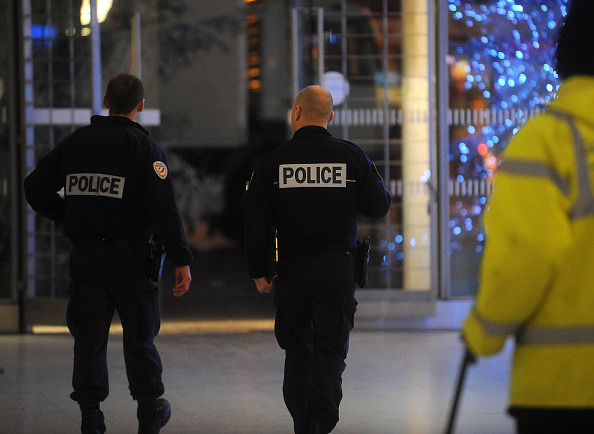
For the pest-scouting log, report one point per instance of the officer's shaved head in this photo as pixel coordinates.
(314, 105)
(123, 93)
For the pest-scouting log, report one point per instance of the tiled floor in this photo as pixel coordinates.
(395, 382)
(223, 371)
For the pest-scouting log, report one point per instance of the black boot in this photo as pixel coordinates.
(93, 421)
(153, 415)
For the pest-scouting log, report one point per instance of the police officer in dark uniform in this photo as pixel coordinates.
(310, 189)
(117, 195)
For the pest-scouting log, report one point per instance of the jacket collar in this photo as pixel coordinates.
(312, 131)
(117, 120)
(575, 97)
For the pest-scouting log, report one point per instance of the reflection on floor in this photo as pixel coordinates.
(230, 382)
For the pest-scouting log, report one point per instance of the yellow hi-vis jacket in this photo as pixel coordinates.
(537, 275)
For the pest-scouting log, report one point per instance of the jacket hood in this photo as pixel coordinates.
(576, 98)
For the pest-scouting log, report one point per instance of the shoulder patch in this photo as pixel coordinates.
(160, 169)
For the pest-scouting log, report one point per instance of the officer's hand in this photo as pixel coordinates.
(263, 285)
(182, 280)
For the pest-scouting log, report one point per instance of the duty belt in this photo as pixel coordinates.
(127, 243)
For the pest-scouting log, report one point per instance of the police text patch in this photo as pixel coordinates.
(312, 175)
(94, 184)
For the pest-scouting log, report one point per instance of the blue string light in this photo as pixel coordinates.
(508, 65)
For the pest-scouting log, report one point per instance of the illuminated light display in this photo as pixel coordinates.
(482, 149)
(502, 60)
(501, 64)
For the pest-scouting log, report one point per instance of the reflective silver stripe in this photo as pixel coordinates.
(496, 328)
(583, 208)
(538, 335)
(535, 168)
(556, 336)
(585, 202)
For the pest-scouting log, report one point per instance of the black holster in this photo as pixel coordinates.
(155, 259)
(361, 261)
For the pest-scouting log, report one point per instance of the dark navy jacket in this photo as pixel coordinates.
(310, 188)
(115, 184)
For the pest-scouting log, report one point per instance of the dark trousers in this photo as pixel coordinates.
(553, 420)
(107, 277)
(315, 308)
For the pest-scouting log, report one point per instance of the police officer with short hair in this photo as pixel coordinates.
(117, 195)
(310, 189)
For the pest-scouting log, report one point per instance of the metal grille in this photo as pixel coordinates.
(55, 62)
(357, 51)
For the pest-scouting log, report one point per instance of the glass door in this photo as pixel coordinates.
(376, 60)
(9, 197)
(62, 64)
(500, 63)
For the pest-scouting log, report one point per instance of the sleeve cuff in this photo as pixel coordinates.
(480, 342)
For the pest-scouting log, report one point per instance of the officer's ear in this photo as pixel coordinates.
(105, 102)
(140, 106)
(331, 117)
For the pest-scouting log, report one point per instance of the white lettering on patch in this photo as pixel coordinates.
(312, 175)
(94, 184)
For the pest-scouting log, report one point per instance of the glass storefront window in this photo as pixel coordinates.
(374, 58)
(501, 73)
(5, 153)
(58, 98)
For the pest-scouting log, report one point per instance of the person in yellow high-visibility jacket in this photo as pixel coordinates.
(537, 275)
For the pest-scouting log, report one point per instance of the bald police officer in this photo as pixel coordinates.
(310, 189)
(117, 194)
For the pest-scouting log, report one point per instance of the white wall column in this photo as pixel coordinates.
(416, 146)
